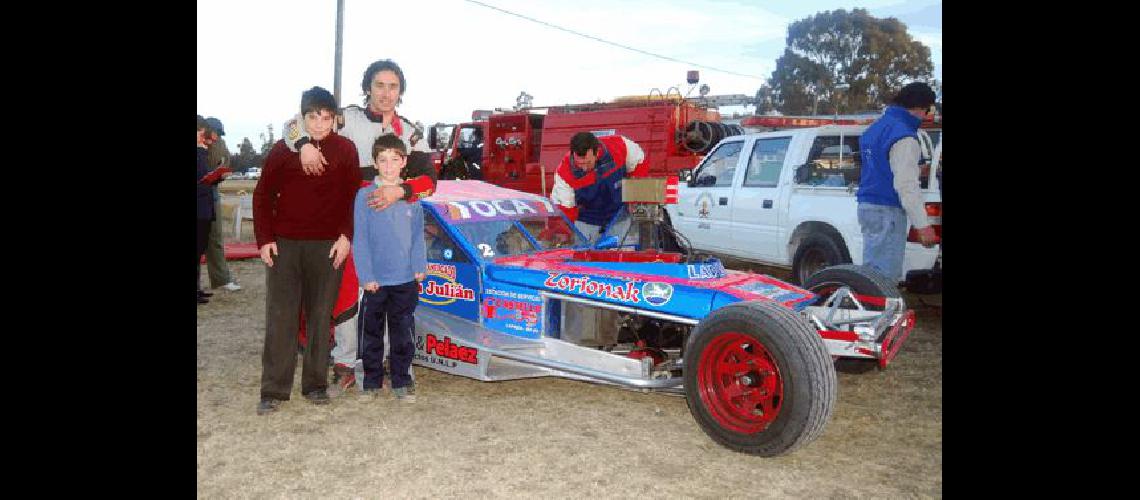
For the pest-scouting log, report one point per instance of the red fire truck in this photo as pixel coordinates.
(520, 149)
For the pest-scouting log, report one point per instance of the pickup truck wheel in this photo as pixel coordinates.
(863, 281)
(816, 252)
(758, 379)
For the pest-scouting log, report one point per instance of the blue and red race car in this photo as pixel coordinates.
(514, 291)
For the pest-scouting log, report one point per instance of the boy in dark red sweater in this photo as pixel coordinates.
(303, 226)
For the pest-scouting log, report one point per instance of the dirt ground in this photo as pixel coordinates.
(543, 437)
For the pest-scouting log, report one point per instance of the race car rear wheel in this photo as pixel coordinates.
(758, 378)
(871, 287)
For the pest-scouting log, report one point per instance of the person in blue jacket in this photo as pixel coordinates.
(390, 257)
(889, 192)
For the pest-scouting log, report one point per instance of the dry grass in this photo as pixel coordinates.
(542, 437)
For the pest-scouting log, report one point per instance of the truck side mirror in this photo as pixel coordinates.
(439, 136)
(685, 174)
(803, 173)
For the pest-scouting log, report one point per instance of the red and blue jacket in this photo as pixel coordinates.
(595, 196)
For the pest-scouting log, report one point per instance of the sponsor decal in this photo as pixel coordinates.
(445, 271)
(625, 292)
(444, 363)
(442, 293)
(432, 345)
(513, 295)
(449, 292)
(703, 202)
(499, 308)
(494, 209)
(657, 294)
(447, 253)
(706, 271)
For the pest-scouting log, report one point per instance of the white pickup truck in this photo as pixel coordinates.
(787, 198)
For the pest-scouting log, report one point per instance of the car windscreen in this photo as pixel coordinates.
(498, 238)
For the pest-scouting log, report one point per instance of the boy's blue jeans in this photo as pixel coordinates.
(395, 305)
(884, 231)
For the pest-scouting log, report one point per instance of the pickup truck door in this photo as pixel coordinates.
(757, 208)
(704, 208)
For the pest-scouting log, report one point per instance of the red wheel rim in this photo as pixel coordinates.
(739, 383)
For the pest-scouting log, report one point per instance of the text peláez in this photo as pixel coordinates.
(446, 349)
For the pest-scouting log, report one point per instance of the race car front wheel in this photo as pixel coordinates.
(758, 379)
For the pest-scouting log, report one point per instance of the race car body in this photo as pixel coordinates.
(513, 291)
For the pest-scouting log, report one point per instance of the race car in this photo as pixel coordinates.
(513, 290)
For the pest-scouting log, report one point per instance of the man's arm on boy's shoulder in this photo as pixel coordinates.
(297, 139)
(420, 183)
(421, 177)
(295, 134)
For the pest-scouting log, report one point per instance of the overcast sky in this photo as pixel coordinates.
(255, 57)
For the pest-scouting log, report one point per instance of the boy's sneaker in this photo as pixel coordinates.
(267, 406)
(231, 287)
(372, 393)
(344, 378)
(402, 394)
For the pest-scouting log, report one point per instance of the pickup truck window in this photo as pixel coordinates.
(720, 166)
(831, 163)
(766, 162)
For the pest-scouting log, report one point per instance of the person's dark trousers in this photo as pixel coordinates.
(395, 304)
(216, 265)
(302, 276)
(203, 235)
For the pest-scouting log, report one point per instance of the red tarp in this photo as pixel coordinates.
(236, 251)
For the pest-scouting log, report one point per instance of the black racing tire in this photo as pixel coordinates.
(815, 252)
(863, 280)
(789, 370)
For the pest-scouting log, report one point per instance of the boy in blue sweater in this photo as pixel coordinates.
(388, 250)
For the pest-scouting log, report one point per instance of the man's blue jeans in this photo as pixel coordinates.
(884, 238)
